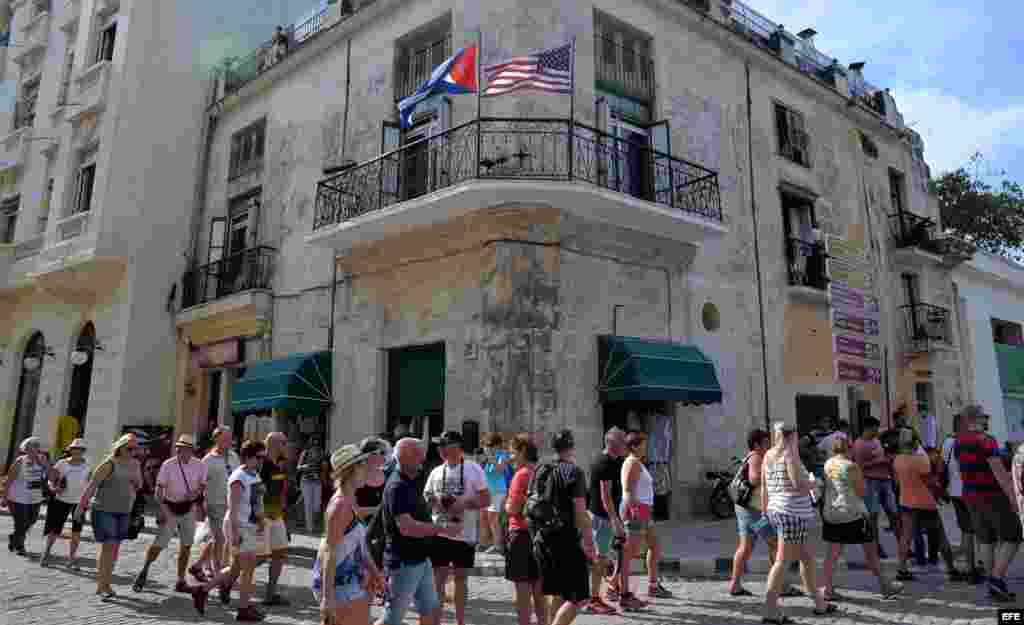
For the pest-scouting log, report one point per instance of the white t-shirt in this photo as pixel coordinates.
(217, 473)
(252, 496)
(468, 477)
(77, 475)
(956, 484)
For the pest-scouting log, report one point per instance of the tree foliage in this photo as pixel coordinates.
(990, 217)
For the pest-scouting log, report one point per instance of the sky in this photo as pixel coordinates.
(953, 67)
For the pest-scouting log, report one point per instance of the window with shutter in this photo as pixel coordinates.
(793, 139)
(247, 149)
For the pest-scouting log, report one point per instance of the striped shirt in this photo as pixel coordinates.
(782, 496)
(973, 450)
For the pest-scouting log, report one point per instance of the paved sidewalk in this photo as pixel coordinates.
(698, 549)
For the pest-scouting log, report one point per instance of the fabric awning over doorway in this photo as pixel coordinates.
(297, 384)
(634, 369)
(1011, 368)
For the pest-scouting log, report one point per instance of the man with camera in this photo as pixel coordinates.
(180, 490)
(456, 491)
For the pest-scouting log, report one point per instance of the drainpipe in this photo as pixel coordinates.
(334, 300)
(209, 126)
(757, 252)
(348, 92)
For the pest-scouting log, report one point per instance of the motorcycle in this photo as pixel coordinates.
(721, 503)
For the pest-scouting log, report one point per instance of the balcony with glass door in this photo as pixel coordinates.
(926, 328)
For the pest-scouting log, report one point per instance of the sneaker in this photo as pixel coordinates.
(140, 581)
(495, 550)
(21, 551)
(629, 603)
(904, 575)
(197, 572)
(276, 600)
(481, 548)
(791, 592)
(998, 590)
(891, 589)
(657, 591)
(75, 565)
(597, 606)
(249, 615)
(199, 598)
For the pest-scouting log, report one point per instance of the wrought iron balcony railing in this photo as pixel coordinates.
(910, 230)
(926, 325)
(242, 71)
(807, 264)
(517, 149)
(243, 271)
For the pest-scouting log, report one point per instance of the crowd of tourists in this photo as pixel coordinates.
(780, 500)
(568, 539)
(565, 541)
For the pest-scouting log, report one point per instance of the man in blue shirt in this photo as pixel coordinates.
(409, 528)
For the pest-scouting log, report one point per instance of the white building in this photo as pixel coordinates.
(99, 163)
(991, 300)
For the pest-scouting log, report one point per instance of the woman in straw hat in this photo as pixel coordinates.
(344, 576)
(25, 491)
(67, 481)
(114, 482)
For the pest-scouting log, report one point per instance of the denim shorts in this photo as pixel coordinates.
(753, 523)
(602, 534)
(110, 528)
(407, 584)
(879, 495)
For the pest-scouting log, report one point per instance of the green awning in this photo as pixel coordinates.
(297, 384)
(1011, 368)
(635, 369)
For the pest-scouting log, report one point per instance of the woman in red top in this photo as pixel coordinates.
(520, 565)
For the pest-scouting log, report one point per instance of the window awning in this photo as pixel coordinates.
(635, 369)
(297, 384)
(1011, 368)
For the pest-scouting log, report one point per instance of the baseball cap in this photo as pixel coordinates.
(451, 438)
(563, 440)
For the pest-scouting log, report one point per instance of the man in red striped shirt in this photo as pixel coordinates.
(988, 493)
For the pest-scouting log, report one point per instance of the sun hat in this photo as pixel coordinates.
(186, 440)
(347, 456)
(375, 445)
(78, 443)
(30, 442)
(451, 438)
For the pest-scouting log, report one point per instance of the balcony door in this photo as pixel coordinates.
(242, 215)
(631, 164)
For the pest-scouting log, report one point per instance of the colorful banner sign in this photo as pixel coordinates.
(849, 274)
(845, 297)
(853, 372)
(852, 251)
(852, 346)
(852, 323)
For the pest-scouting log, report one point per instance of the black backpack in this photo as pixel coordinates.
(379, 526)
(541, 508)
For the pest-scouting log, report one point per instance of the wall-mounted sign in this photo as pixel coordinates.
(853, 372)
(852, 346)
(852, 323)
(216, 354)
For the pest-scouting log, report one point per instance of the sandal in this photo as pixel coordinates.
(791, 592)
(834, 596)
(777, 620)
(829, 609)
(741, 592)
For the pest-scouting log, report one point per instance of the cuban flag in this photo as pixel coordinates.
(456, 75)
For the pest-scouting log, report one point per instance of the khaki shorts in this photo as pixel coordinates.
(275, 537)
(252, 540)
(215, 515)
(183, 524)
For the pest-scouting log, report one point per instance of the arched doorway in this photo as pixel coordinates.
(28, 393)
(81, 375)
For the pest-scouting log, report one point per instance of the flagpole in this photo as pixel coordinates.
(479, 89)
(572, 104)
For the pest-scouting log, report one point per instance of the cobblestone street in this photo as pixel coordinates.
(31, 594)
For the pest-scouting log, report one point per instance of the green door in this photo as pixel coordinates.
(416, 378)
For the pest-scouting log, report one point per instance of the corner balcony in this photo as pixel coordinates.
(493, 161)
(71, 267)
(34, 37)
(227, 295)
(917, 242)
(91, 88)
(926, 328)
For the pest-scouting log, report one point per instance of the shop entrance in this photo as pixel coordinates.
(815, 412)
(81, 376)
(416, 379)
(655, 420)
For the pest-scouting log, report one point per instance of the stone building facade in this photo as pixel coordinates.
(476, 263)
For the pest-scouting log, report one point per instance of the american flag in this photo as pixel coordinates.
(550, 71)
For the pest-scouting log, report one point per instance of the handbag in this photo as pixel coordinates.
(183, 507)
(740, 489)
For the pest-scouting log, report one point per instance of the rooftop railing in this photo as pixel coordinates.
(517, 149)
